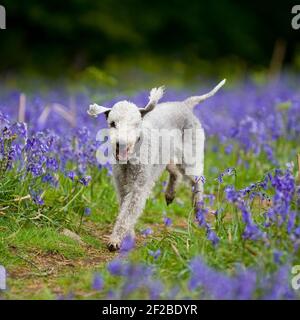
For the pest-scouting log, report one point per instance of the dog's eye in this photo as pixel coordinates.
(112, 124)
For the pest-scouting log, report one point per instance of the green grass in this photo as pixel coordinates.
(42, 263)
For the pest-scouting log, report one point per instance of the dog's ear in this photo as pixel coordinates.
(155, 95)
(94, 110)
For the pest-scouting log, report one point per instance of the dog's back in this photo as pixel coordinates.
(170, 115)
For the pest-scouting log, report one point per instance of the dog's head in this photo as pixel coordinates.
(125, 121)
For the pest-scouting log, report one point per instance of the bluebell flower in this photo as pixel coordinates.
(85, 180)
(71, 175)
(127, 244)
(167, 221)
(201, 216)
(98, 282)
(146, 232)
(277, 256)
(87, 211)
(211, 236)
(155, 289)
(228, 149)
(291, 221)
(155, 254)
(115, 267)
(297, 232)
(37, 197)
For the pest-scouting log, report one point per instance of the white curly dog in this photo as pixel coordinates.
(140, 155)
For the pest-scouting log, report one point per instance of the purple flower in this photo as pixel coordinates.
(52, 164)
(220, 178)
(277, 256)
(98, 282)
(37, 197)
(85, 180)
(200, 178)
(115, 267)
(227, 172)
(211, 236)
(297, 232)
(127, 244)
(155, 254)
(218, 285)
(48, 178)
(20, 129)
(231, 194)
(201, 216)
(291, 221)
(252, 232)
(111, 295)
(167, 221)
(211, 198)
(87, 211)
(228, 149)
(279, 285)
(146, 232)
(155, 289)
(203, 179)
(71, 175)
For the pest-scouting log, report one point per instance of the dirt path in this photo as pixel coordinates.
(41, 270)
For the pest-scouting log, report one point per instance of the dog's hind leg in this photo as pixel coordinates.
(197, 188)
(193, 164)
(197, 191)
(172, 184)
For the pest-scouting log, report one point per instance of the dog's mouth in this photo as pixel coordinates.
(122, 152)
(125, 151)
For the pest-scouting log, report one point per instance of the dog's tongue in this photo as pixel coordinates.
(123, 154)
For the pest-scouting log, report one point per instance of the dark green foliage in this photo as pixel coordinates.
(71, 35)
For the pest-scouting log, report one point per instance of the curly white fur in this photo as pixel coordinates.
(134, 181)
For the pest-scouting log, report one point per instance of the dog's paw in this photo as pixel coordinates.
(113, 244)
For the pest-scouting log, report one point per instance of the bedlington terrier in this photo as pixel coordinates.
(131, 128)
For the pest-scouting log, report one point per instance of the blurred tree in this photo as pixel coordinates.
(55, 35)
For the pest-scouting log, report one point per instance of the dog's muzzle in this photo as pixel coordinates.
(122, 151)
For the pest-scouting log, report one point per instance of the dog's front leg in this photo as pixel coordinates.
(131, 208)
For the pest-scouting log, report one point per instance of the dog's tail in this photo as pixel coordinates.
(193, 101)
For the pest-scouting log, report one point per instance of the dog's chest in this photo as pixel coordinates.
(131, 170)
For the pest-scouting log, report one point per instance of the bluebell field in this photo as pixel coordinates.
(247, 119)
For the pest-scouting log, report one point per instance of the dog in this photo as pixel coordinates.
(131, 133)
